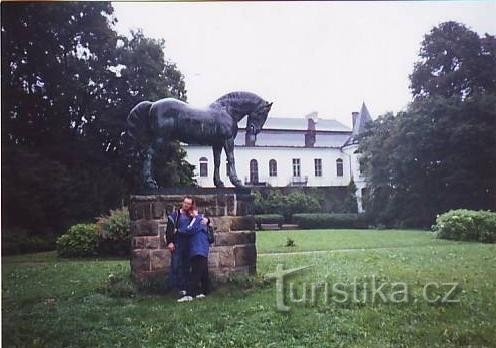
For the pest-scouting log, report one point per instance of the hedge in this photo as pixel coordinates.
(463, 224)
(329, 220)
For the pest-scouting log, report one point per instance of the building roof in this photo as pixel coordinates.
(289, 138)
(360, 124)
(301, 124)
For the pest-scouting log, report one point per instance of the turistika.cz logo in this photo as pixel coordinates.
(371, 290)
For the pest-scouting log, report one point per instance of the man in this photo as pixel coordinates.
(179, 245)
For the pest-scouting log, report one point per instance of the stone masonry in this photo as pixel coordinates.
(234, 250)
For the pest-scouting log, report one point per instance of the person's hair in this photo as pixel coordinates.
(190, 198)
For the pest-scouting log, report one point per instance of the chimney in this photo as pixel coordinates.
(354, 117)
(310, 134)
(250, 138)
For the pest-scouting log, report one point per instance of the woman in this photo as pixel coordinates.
(198, 253)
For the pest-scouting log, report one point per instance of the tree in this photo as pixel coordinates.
(455, 62)
(440, 153)
(68, 83)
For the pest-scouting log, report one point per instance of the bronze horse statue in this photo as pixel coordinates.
(153, 123)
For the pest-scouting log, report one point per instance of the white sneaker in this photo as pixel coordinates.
(182, 293)
(185, 299)
(199, 296)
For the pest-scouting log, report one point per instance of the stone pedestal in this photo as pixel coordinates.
(234, 250)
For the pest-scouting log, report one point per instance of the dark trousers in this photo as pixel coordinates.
(199, 275)
(180, 268)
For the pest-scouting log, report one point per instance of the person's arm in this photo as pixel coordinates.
(205, 220)
(169, 232)
(191, 228)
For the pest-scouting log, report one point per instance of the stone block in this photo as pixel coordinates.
(225, 255)
(158, 210)
(245, 255)
(145, 227)
(213, 259)
(146, 242)
(140, 210)
(233, 223)
(235, 237)
(221, 223)
(140, 260)
(160, 259)
(242, 223)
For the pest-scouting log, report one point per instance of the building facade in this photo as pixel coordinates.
(308, 151)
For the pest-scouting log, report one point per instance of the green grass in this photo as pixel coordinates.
(47, 302)
(309, 240)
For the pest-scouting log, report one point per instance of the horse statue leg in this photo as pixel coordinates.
(149, 181)
(217, 152)
(229, 148)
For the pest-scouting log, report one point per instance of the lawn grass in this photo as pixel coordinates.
(48, 302)
(310, 240)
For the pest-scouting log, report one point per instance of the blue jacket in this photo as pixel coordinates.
(198, 233)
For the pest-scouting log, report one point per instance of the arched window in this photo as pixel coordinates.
(339, 167)
(254, 171)
(272, 167)
(203, 166)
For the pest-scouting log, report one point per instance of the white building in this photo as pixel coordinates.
(307, 151)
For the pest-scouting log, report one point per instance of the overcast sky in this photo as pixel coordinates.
(312, 56)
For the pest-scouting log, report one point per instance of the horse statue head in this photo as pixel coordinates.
(256, 119)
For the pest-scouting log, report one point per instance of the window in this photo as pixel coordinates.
(227, 169)
(254, 171)
(339, 167)
(318, 166)
(361, 166)
(203, 166)
(296, 167)
(272, 167)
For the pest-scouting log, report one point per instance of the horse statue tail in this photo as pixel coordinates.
(138, 123)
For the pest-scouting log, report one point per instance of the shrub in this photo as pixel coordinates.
(322, 220)
(463, 224)
(114, 233)
(79, 240)
(268, 219)
(287, 205)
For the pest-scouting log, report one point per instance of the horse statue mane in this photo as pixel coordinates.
(151, 124)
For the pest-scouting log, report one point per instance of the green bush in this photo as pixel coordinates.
(114, 233)
(463, 224)
(287, 205)
(323, 220)
(79, 240)
(268, 219)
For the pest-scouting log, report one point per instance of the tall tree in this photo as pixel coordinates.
(455, 62)
(440, 153)
(68, 82)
